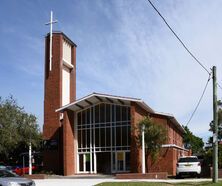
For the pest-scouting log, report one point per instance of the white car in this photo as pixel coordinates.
(188, 165)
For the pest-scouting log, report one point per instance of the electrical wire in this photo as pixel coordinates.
(201, 97)
(191, 54)
(219, 86)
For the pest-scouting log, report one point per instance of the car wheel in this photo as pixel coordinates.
(178, 176)
(198, 175)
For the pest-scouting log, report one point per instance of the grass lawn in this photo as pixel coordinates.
(157, 184)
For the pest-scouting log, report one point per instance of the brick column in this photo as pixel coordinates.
(68, 142)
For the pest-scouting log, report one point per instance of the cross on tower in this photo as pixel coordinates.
(51, 23)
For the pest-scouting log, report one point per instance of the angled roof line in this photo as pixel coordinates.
(106, 96)
(172, 118)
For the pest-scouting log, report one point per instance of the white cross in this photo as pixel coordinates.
(50, 23)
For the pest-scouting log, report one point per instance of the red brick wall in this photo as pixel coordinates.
(52, 101)
(137, 113)
(52, 128)
(167, 159)
(68, 142)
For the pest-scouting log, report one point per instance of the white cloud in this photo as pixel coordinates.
(142, 58)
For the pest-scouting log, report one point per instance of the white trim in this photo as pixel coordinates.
(139, 101)
(76, 144)
(68, 65)
(174, 145)
(165, 114)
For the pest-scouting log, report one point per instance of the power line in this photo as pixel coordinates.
(219, 86)
(191, 54)
(201, 97)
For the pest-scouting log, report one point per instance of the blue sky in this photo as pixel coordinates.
(124, 49)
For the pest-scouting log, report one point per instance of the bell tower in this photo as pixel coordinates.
(59, 90)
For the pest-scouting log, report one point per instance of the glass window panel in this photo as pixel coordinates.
(118, 114)
(124, 136)
(108, 137)
(83, 117)
(118, 136)
(129, 135)
(113, 113)
(102, 113)
(97, 114)
(114, 160)
(97, 137)
(81, 162)
(127, 156)
(124, 113)
(113, 136)
(79, 118)
(88, 138)
(102, 137)
(88, 116)
(79, 138)
(107, 112)
(83, 138)
(128, 114)
(92, 115)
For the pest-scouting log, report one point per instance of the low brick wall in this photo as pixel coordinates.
(219, 173)
(36, 176)
(153, 175)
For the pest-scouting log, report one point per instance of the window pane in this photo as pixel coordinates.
(102, 113)
(127, 154)
(118, 136)
(128, 114)
(113, 136)
(97, 137)
(124, 136)
(118, 114)
(113, 113)
(81, 162)
(108, 137)
(83, 138)
(107, 113)
(97, 114)
(124, 113)
(79, 118)
(102, 137)
(88, 116)
(83, 117)
(129, 135)
(88, 138)
(79, 138)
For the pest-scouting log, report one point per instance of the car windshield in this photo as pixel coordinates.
(6, 173)
(188, 159)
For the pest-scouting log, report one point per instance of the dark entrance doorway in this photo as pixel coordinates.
(103, 162)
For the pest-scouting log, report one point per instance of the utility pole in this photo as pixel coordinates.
(215, 129)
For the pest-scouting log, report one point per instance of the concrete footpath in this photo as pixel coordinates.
(93, 181)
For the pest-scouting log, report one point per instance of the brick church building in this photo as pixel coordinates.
(95, 134)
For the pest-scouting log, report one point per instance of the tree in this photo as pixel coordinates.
(192, 141)
(219, 112)
(17, 129)
(154, 136)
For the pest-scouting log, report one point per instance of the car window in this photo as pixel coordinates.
(5, 173)
(188, 159)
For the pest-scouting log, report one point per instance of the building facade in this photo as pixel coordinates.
(96, 134)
